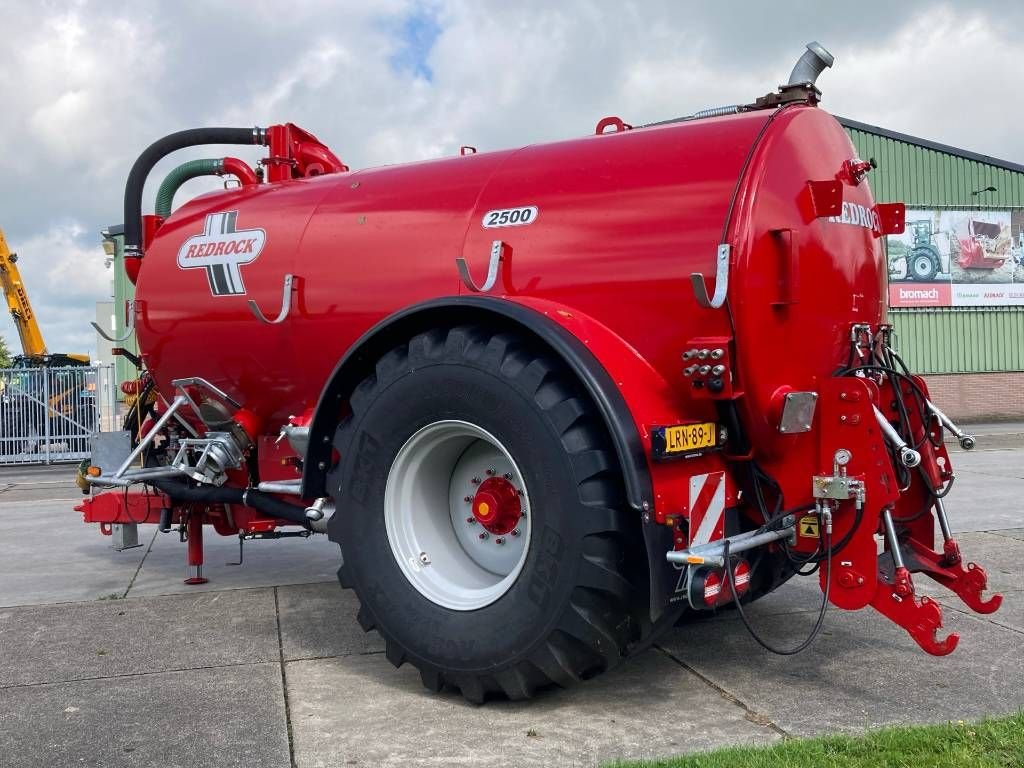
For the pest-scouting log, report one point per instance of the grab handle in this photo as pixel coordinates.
(286, 303)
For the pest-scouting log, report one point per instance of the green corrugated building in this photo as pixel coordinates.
(971, 356)
(124, 291)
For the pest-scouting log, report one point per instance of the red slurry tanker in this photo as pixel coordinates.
(549, 401)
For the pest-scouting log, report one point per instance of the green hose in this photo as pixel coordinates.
(181, 174)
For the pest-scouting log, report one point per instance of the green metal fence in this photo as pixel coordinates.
(960, 339)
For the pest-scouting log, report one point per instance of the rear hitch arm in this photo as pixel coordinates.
(920, 617)
(968, 583)
(894, 598)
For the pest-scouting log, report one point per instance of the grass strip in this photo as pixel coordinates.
(991, 743)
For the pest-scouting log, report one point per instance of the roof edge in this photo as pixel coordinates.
(933, 145)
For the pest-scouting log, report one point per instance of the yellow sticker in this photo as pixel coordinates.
(808, 526)
(485, 509)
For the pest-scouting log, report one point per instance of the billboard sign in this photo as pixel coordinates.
(958, 258)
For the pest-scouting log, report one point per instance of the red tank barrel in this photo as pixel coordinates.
(505, 381)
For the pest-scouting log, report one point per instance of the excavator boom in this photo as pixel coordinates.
(33, 347)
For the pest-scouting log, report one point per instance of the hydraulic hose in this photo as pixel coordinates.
(179, 490)
(156, 152)
(194, 169)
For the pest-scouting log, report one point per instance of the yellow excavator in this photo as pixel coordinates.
(23, 409)
(33, 348)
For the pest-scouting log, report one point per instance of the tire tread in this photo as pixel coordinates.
(597, 623)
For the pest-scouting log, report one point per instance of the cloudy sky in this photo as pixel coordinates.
(85, 86)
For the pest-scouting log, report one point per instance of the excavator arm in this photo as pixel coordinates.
(33, 347)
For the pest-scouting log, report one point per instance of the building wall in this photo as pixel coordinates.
(976, 397)
(944, 340)
(928, 178)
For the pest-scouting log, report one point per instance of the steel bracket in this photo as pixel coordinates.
(497, 254)
(290, 286)
(129, 325)
(700, 288)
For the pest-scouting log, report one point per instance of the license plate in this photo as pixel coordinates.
(683, 439)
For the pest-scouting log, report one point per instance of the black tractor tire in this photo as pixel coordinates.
(922, 265)
(575, 607)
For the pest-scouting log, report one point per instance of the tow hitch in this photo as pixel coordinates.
(881, 437)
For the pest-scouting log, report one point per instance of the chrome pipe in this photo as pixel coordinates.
(132, 476)
(199, 381)
(890, 535)
(967, 442)
(814, 61)
(144, 443)
(713, 553)
(940, 513)
(908, 456)
(289, 487)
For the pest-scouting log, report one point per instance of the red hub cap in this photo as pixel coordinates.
(496, 506)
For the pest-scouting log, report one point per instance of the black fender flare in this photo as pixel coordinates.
(360, 359)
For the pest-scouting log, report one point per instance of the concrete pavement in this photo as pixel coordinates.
(109, 660)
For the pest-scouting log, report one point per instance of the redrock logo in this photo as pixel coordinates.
(859, 215)
(221, 249)
(919, 294)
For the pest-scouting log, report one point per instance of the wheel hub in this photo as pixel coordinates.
(457, 514)
(496, 506)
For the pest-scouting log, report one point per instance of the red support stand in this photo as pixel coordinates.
(195, 550)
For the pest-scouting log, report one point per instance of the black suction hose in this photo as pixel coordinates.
(179, 490)
(156, 152)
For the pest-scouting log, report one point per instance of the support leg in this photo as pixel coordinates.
(195, 550)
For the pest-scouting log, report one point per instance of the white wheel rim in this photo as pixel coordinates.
(452, 562)
(922, 265)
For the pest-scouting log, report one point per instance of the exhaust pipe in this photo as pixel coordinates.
(800, 88)
(809, 66)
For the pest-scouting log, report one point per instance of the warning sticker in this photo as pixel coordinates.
(808, 526)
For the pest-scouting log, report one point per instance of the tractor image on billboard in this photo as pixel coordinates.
(924, 261)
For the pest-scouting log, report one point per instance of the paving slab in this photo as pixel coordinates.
(359, 710)
(995, 464)
(862, 672)
(1002, 557)
(989, 491)
(319, 620)
(1009, 615)
(53, 643)
(1013, 533)
(221, 717)
(47, 555)
(266, 563)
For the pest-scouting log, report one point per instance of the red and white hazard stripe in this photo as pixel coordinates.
(707, 508)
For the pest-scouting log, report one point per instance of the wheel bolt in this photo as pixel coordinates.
(499, 540)
(508, 475)
(471, 520)
(515, 531)
(490, 471)
(483, 536)
(467, 499)
(476, 481)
